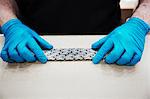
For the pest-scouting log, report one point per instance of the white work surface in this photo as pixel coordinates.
(75, 80)
(129, 4)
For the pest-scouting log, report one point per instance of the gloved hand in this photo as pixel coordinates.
(124, 45)
(22, 44)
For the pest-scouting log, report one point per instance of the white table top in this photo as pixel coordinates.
(75, 80)
(129, 4)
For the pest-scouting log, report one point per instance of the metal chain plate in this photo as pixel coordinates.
(70, 54)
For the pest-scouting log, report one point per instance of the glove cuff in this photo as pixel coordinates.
(140, 23)
(9, 24)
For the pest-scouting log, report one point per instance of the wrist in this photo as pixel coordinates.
(142, 25)
(9, 24)
(4, 20)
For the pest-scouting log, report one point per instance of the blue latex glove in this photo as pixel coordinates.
(22, 44)
(124, 45)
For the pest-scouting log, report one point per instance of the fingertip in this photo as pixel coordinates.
(94, 46)
(33, 59)
(44, 61)
(108, 61)
(95, 60)
(133, 63)
(49, 46)
(4, 56)
(46, 46)
(119, 62)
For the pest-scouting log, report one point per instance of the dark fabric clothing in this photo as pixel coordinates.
(70, 16)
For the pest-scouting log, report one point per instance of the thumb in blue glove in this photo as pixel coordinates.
(22, 44)
(124, 45)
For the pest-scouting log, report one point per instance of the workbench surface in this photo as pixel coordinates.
(75, 80)
(129, 4)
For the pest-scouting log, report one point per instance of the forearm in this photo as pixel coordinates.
(143, 11)
(8, 10)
